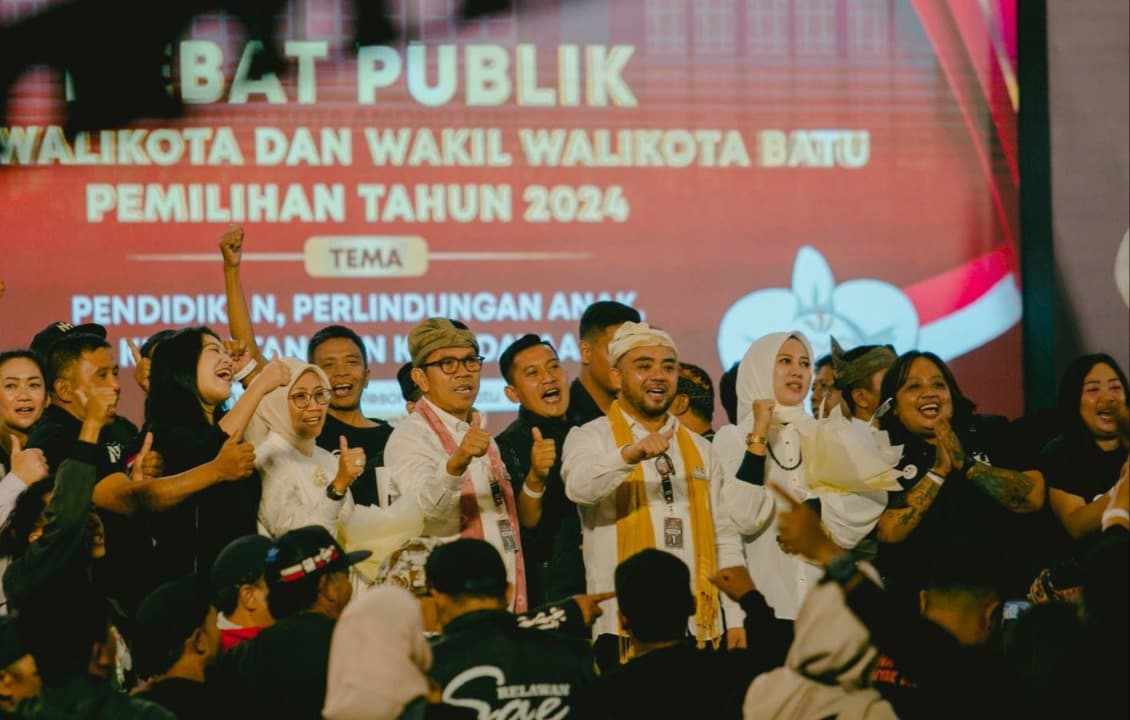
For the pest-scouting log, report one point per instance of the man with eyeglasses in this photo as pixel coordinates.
(642, 480)
(443, 458)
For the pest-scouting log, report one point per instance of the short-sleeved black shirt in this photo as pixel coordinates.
(372, 440)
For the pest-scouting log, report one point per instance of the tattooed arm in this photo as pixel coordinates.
(1020, 492)
(905, 510)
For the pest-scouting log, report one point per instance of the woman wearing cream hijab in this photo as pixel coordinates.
(384, 621)
(773, 380)
(302, 483)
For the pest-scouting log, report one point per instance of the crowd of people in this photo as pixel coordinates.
(857, 542)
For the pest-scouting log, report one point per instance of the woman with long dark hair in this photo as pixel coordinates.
(1082, 465)
(953, 498)
(189, 384)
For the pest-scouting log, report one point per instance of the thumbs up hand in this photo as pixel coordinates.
(350, 465)
(28, 465)
(651, 446)
(542, 455)
(475, 444)
(236, 459)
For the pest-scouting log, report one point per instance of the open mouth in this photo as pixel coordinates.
(313, 420)
(930, 411)
(796, 387)
(25, 412)
(657, 392)
(551, 396)
(225, 374)
(463, 390)
(342, 390)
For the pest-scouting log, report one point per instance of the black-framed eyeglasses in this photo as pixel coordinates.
(302, 400)
(450, 365)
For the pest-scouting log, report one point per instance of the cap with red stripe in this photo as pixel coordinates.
(307, 552)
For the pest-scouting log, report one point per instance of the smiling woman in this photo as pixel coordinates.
(956, 496)
(303, 484)
(1083, 464)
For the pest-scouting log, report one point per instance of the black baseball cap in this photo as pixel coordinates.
(46, 338)
(466, 566)
(307, 552)
(165, 619)
(241, 562)
(12, 644)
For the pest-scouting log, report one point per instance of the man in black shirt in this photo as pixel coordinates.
(80, 367)
(282, 672)
(531, 449)
(176, 640)
(592, 392)
(485, 661)
(341, 354)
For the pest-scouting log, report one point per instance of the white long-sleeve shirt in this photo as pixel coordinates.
(785, 579)
(592, 469)
(294, 488)
(417, 461)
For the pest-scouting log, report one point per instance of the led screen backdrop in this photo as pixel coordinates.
(730, 167)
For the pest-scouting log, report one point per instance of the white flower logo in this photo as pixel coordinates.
(857, 312)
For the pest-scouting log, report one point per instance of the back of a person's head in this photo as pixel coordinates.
(467, 569)
(26, 518)
(653, 593)
(61, 632)
(699, 389)
(728, 393)
(165, 620)
(291, 598)
(965, 579)
(604, 314)
(68, 351)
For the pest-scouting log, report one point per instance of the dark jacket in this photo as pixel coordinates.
(485, 661)
(552, 549)
(282, 672)
(187, 699)
(60, 559)
(85, 698)
(371, 439)
(126, 573)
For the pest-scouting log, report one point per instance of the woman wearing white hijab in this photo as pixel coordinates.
(302, 483)
(379, 657)
(773, 380)
(827, 673)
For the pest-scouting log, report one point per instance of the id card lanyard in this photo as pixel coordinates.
(672, 525)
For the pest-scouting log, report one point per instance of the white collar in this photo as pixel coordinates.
(452, 423)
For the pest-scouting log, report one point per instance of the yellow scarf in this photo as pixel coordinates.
(634, 531)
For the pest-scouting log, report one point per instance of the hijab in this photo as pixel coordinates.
(359, 686)
(273, 413)
(755, 379)
(827, 672)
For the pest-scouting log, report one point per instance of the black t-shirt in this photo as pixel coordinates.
(188, 537)
(963, 519)
(1080, 467)
(126, 572)
(372, 440)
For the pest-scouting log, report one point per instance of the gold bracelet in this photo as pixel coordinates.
(752, 439)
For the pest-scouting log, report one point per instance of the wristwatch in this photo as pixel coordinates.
(334, 494)
(840, 569)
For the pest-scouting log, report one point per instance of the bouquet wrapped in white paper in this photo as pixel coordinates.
(848, 456)
(381, 530)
